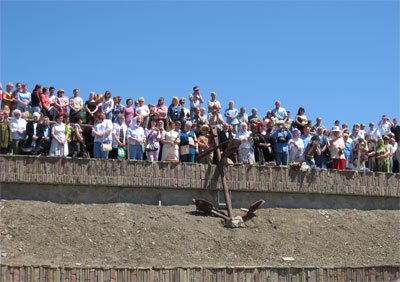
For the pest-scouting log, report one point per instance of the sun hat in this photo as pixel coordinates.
(204, 126)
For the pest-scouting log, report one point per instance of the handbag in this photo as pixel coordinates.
(151, 147)
(184, 150)
(105, 147)
(121, 153)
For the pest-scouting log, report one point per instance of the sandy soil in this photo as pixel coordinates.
(127, 235)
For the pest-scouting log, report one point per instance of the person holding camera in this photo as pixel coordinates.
(384, 125)
(313, 149)
(281, 139)
(336, 148)
(195, 100)
(215, 117)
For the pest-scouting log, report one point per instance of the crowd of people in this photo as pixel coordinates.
(48, 123)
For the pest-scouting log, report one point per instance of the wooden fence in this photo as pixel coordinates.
(198, 274)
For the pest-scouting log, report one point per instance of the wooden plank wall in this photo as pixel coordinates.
(14, 273)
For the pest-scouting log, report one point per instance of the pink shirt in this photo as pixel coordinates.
(161, 109)
(128, 113)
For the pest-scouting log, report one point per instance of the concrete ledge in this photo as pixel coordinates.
(66, 194)
(200, 274)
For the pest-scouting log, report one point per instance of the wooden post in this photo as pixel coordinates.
(222, 172)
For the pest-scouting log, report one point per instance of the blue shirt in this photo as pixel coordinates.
(306, 139)
(189, 138)
(23, 97)
(279, 113)
(231, 112)
(348, 146)
(281, 147)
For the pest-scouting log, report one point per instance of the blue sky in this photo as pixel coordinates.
(338, 59)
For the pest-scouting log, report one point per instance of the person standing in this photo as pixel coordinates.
(75, 105)
(382, 154)
(170, 141)
(246, 147)
(118, 137)
(337, 149)
(45, 102)
(32, 140)
(44, 136)
(18, 129)
(188, 144)
(23, 98)
(395, 129)
(153, 137)
(91, 108)
(8, 99)
(213, 102)
(281, 138)
(128, 111)
(143, 111)
(61, 103)
(59, 141)
(231, 114)
(160, 111)
(175, 110)
(263, 143)
(101, 131)
(254, 119)
(136, 138)
(108, 105)
(35, 99)
(5, 134)
(296, 147)
(279, 113)
(384, 125)
(196, 100)
(52, 98)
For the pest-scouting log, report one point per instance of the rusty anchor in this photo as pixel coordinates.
(207, 207)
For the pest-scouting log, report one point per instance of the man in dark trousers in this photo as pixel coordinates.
(32, 140)
(224, 135)
(43, 132)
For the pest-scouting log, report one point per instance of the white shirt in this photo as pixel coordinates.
(136, 132)
(211, 104)
(107, 106)
(375, 133)
(116, 130)
(296, 154)
(244, 137)
(18, 125)
(143, 110)
(385, 128)
(102, 127)
(76, 102)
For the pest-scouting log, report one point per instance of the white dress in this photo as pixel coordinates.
(246, 149)
(170, 152)
(57, 149)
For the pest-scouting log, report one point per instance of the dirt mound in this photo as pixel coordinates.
(127, 235)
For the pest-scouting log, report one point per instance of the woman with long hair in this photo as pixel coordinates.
(91, 108)
(170, 141)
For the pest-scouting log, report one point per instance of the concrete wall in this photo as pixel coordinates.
(198, 274)
(89, 180)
